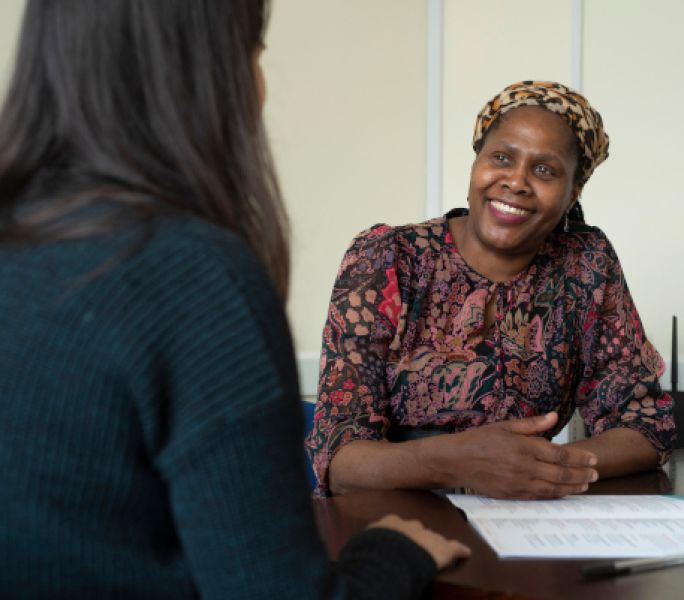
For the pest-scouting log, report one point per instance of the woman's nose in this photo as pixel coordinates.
(517, 181)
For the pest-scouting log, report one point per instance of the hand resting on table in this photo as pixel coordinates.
(509, 460)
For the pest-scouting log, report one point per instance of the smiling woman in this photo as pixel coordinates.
(469, 340)
(521, 185)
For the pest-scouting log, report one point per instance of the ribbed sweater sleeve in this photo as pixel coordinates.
(234, 458)
(226, 435)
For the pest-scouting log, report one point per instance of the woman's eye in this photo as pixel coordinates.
(500, 158)
(543, 170)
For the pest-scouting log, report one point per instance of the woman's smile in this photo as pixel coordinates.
(509, 213)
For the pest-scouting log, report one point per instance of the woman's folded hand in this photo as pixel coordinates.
(509, 460)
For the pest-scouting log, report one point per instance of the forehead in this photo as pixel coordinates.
(534, 128)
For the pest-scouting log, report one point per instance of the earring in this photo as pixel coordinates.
(566, 225)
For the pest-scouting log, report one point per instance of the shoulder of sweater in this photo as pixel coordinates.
(191, 270)
(198, 239)
(178, 265)
(197, 250)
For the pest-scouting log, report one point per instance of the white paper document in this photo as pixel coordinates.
(579, 526)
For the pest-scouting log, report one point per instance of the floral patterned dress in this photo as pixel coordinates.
(405, 346)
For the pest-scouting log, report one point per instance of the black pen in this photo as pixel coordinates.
(625, 567)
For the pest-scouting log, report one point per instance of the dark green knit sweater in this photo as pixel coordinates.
(150, 431)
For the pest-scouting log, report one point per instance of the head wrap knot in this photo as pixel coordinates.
(571, 106)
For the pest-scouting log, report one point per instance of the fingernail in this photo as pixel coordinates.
(592, 461)
(594, 477)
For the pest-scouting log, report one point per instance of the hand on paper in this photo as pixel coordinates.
(443, 551)
(510, 460)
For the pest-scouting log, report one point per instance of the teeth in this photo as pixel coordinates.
(508, 209)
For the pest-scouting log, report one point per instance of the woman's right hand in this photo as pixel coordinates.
(509, 460)
(443, 551)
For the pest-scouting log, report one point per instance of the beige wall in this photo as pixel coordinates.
(346, 115)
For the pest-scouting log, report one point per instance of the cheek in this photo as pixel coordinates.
(556, 203)
(481, 178)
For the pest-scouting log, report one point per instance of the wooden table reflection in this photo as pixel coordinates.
(484, 575)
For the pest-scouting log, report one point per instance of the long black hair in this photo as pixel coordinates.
(148, 105)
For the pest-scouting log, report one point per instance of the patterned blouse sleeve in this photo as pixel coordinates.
(362, 320)
(620, 368)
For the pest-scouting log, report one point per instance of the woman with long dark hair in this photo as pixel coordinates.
(150, 430)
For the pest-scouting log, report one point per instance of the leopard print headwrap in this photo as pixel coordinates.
(585, 122)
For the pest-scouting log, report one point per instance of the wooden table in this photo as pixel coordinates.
(484, 575)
